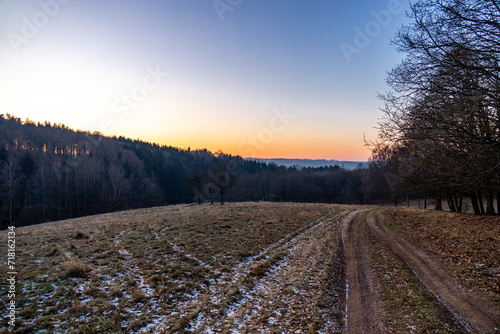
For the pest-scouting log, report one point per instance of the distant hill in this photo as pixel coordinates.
(51, 172)
(304, 163)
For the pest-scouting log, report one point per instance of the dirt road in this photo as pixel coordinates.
(363, 291)
(365, 304)
(475, 313)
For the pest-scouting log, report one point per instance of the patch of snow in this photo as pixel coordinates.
(124, 252)
(80, 288)
(133, 311)
(197, 323)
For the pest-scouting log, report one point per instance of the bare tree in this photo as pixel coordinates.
(442, 115)
(10, 173)
(222, 176)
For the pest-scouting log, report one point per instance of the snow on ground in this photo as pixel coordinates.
(119, 287)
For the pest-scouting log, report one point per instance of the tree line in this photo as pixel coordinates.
(50, 172)
(440, 137)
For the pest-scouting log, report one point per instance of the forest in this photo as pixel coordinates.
(50, 172)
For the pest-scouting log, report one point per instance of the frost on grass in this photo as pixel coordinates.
(190, 268)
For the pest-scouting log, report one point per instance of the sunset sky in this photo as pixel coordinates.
(261, 78)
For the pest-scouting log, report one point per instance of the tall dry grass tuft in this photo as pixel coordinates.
(75, 269)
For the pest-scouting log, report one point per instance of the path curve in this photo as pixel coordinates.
(476, 314)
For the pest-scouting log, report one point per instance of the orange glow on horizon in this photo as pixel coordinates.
(295, 149)
(289, 145)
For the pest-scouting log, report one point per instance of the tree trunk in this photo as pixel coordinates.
(425, 202)
(58, 201)
(439, 205)
(451, 204)
(475, 203)
(66, 197)
(457, 202)
(498, 202)
(490, 209)
(77, 193)
(43, 195)
(481, 204)
(460, 203)
(11, 183)
(26, 196)
(11, 210)
(85, 208)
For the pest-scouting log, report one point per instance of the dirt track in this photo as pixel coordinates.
(363, 302)
(302, 291)
(242, 268)
(364, 305)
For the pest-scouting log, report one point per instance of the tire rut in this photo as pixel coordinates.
(363, 303)
(475, 313)
(237, 296)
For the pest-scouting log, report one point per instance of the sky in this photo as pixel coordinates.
(256, 78)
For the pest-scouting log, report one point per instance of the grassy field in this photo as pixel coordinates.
(469, 245)
(172, 268)
(237, 268)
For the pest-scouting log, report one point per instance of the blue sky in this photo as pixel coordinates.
(203, 73)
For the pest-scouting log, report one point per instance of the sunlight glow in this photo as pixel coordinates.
(224, 78)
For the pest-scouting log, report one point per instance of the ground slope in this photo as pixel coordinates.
(259, 268)
(182, 269)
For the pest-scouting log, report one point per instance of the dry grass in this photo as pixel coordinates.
(75, 269)
(469, 245)
(121, 272)
(407, 305)
(271, 267)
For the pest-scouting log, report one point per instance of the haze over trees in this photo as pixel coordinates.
(441, 134)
